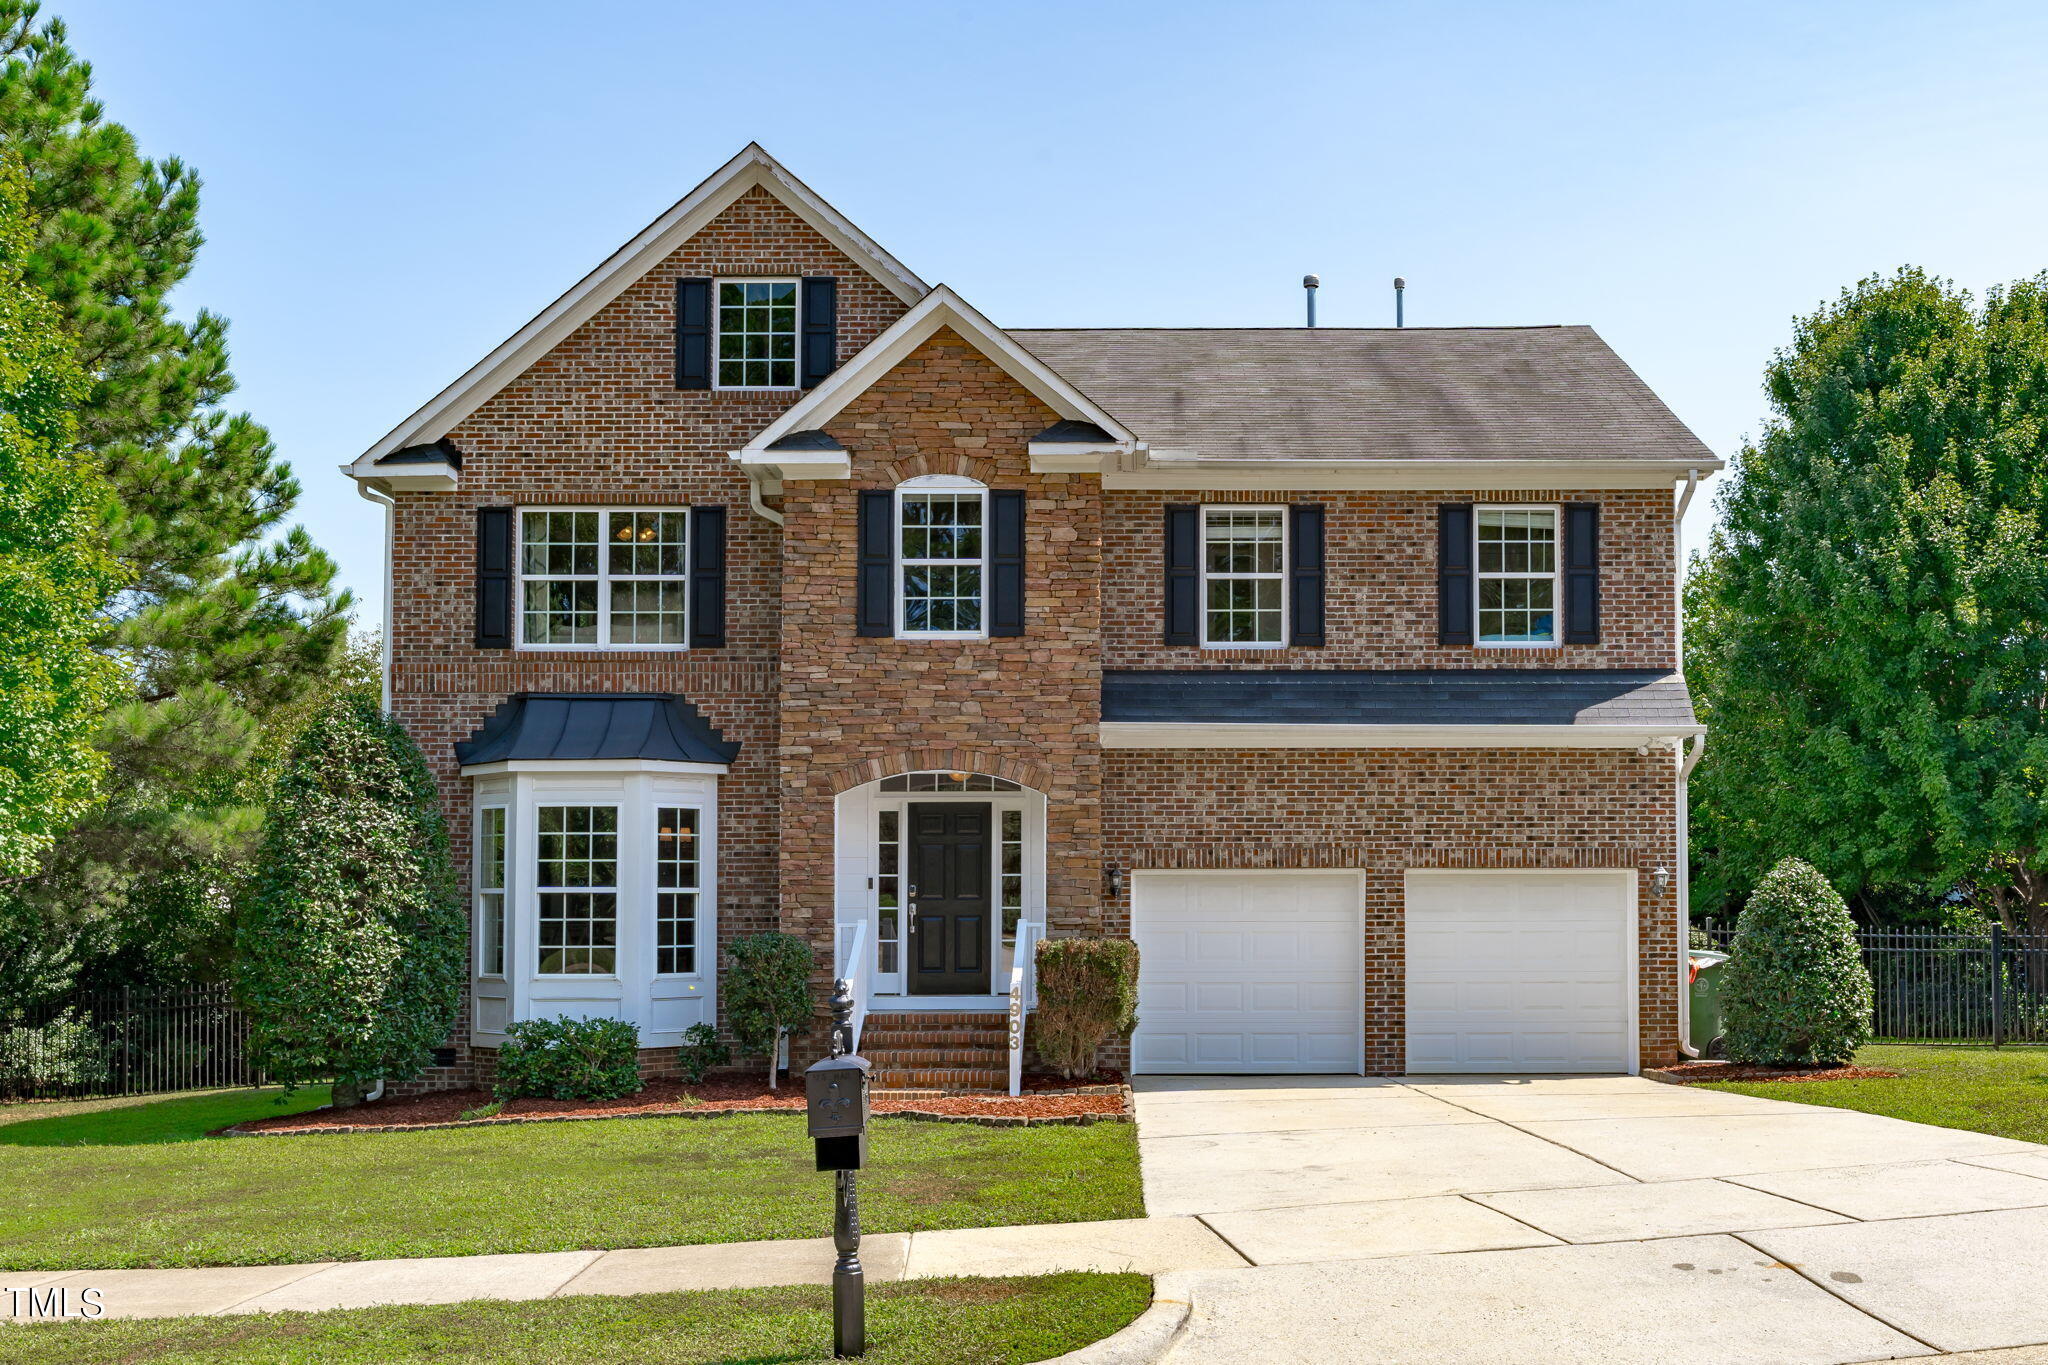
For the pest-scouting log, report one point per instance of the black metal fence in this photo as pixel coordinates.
(127, 1043)
(1939, 985)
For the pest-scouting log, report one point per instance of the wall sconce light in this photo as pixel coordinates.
(1660, 880)
(1115, 877)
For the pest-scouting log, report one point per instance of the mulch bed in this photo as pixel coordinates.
(1070, 1102)
(1692, 1073)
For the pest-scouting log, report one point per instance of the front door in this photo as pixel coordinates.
(949, 899)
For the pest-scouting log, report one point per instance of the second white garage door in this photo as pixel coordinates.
(1247, 972)
(1520, 971)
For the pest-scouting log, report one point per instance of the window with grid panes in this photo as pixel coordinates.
(940, 559)
(576, 875)
(1517, 575)
(757, 334)
(1244, 566)
(676, 886)
(604, 579)
(490, 894)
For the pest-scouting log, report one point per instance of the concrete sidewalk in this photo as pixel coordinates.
(1144, 1245)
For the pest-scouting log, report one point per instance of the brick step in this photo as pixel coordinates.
(941, 1078)
(873, 1041)
(885, 1019)
(900, 1059)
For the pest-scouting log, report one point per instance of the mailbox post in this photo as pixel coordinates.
(836, 1102)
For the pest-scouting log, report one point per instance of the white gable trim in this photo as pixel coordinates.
(751, 168)
(940, 308)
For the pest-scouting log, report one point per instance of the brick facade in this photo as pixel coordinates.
(818, 709)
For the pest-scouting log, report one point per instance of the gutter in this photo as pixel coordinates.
(754, 503)
(390, 506)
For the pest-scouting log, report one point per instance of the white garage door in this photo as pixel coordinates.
(1247, 971)
(1520, 971)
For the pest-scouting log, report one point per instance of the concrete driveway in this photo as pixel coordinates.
(1583, 1219)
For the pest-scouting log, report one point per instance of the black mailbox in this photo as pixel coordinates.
(836, 1102)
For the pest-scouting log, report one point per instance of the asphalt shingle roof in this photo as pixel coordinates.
(1490, 696)
(588, 725)
(1329, 393)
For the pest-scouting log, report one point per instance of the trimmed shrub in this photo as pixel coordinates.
(569, 1059)
(767, 992)
(1795, 991)
(1087, 995)
(350, 951)
(700, 1051)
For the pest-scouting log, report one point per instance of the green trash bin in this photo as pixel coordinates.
(1704, 970)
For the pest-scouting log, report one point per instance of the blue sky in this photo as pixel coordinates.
(391, 191)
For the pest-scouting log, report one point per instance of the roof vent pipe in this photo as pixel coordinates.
(1310, 284)
(1399, 285)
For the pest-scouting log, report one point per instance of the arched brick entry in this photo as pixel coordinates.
(988, 762)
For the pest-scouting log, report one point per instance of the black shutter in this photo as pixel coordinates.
(707, 577)
(494, 578)
(821, 329)
(1006, 562)
(1183, 575)
(1454, 573)
(693, 334)
(1305, 574)
(876, 614)
(1582, 573)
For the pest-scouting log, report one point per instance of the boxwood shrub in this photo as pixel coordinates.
(569, 1059)
(1796, 992)
(1087, 995)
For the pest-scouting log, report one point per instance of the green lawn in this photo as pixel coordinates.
(917, 1322)
(144, 1118)
(2002, 1091)
(147, 1190)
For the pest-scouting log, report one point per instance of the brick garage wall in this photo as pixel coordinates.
(1388, 810)
(598, 422)
(1381, 576)
(855, 709)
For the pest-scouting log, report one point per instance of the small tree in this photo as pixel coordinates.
(768, 992)
(1087, 994)
(350, 951)
(1796, 991)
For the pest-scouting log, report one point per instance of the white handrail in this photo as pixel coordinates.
(856, 966)
(1023, 996)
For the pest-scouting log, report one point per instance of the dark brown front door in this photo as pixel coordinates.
(949, 899)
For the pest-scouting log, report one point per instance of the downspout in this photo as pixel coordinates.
(1685, 767)
(390, 506)
(754, 504)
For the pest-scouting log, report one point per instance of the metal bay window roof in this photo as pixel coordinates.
(568, 727)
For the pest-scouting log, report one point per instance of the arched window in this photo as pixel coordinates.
(942, 557)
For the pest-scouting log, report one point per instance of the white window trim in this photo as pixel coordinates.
(701, 890)
(604, 578)
(798, 335)
(621, 900)
(1202, 561)
(503, 891)
(1556, 574)
(937, 483)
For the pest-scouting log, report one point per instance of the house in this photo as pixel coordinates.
(757, 583)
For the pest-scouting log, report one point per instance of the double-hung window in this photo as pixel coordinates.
(676, 883)
(942, 557)
(490, 891)
(1244, 576)
(576, 875)
(757, 334)
(1517, 575)
(603, 579)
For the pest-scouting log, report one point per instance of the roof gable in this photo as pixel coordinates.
(752, 168)
(939, 310)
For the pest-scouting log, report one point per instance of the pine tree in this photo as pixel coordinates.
(55, 574)
(350, 953)
(226, 615)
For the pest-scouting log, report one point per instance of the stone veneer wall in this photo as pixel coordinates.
(1388, 810)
